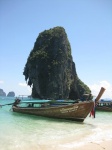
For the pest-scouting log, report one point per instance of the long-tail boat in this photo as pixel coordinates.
(62, 109)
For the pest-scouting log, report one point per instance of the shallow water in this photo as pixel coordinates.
(21, 131)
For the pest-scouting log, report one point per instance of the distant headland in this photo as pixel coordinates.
(10, 94)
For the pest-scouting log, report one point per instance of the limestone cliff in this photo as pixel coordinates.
(50, 69)
(2, 93)
(11, 94)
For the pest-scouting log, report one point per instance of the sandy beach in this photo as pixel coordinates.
(105, 145)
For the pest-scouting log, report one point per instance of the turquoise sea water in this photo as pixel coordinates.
(25, 132)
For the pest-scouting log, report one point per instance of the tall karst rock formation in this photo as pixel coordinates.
(50, 69)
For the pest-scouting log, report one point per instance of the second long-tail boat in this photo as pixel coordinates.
(104, 105)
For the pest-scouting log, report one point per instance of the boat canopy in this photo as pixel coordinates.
(46, 101)
(34, 101)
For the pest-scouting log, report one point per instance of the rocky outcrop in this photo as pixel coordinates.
(50, 69)
(2, 93)
(11, 94)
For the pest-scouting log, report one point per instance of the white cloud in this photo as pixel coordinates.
(95, 88)
(1, 82)
(27, 88)
(23, 84)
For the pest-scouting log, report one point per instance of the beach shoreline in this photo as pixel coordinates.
(104, 145)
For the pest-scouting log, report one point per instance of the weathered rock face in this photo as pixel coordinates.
(2, 93)
(11, 94)
(50, 68)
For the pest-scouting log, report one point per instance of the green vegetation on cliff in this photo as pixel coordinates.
(50, 68)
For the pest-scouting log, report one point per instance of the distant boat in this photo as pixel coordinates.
(104, 105)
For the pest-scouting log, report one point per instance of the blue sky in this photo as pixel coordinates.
(88, 24)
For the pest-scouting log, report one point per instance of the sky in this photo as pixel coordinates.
(88, 24)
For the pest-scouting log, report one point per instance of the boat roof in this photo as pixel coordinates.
(45, 101)
(34, 101)
(105, 101)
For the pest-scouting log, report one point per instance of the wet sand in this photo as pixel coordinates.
(105, 145)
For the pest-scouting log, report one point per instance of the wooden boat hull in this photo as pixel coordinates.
(77, 112)
(104, 108)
